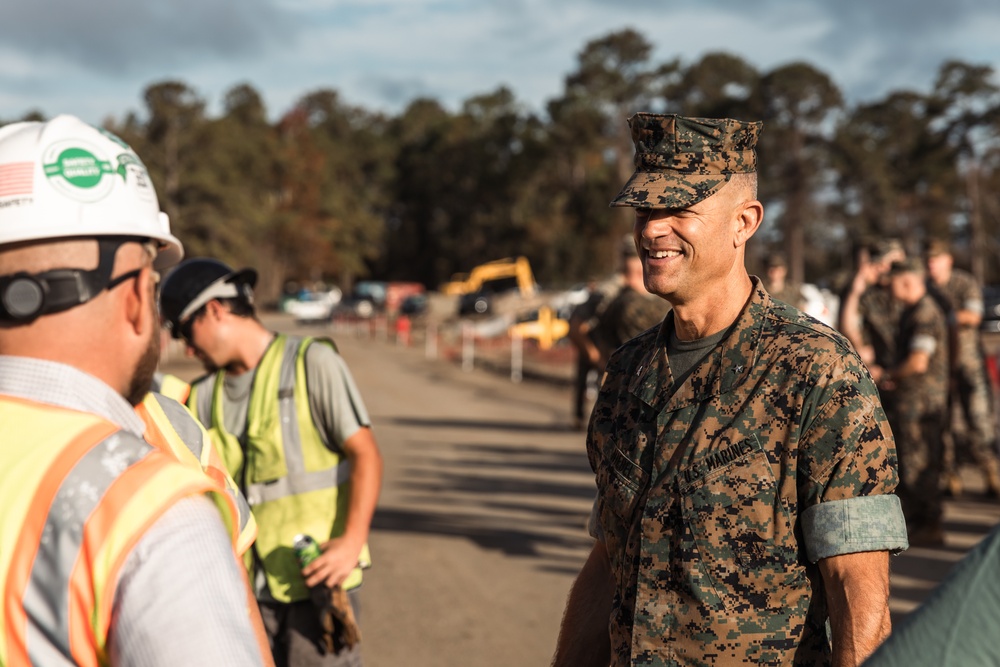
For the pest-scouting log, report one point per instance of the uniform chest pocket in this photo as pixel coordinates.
(742, 532)
(620, 481)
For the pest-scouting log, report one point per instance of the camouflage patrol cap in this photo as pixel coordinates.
(908, 265)
(883, 247)
(680, 161)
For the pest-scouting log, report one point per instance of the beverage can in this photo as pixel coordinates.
(306, 549)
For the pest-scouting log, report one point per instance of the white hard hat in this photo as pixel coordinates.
(65, 178)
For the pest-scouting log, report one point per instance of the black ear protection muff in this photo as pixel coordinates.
(27, 296)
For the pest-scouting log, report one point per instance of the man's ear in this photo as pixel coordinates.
(748, 217)
(214, 309)
(140, 302)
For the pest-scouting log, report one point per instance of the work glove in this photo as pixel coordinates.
(336, 615)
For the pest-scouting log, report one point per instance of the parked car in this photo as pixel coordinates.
(313, 306)
(415, 304)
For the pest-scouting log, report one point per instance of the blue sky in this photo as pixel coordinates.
(93, 59)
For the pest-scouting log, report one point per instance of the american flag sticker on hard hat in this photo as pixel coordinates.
(17, 179)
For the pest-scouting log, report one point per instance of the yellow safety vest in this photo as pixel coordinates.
(171, 427)
(293, 481)
(76, 495)
(171, 386)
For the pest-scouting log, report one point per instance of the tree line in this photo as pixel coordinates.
(336, 192)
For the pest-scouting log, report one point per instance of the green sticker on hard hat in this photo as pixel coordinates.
(78, 172)
(79, 167)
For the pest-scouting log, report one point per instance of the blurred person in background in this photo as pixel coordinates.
(868, 314)
(582, 319)
(776, 281)
(962, 297)
(916, 395)
(615, 313)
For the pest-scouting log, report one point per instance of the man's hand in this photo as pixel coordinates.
(331, 567)
(583, 637)
(857, 595)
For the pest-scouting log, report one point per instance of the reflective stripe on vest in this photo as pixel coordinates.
(172, 427)
(294, 481)
(72, 506)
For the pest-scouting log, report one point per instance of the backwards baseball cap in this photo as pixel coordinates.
(197, 281)
(680, 161)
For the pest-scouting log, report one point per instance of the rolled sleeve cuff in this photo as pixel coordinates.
(853, 525)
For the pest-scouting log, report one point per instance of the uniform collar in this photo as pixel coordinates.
(725, 368)
(66, 387)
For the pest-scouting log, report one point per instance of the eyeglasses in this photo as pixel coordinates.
(134, 273)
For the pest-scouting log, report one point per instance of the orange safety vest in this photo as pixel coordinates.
(76, 495)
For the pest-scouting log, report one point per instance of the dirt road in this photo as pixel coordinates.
(481, 525)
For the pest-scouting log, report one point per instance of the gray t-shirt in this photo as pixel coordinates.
(337, 407)
(684, 355)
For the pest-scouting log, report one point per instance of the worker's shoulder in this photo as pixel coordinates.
(928, 311)
(320, 350)
(963, 281)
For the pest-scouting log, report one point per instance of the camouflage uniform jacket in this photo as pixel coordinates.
(880, 321)
(963, 293)
(923, 327)
(627, 315)
(717, 498)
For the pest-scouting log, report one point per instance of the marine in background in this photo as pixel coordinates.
(777, 283)
(916, 394)
(970, 398)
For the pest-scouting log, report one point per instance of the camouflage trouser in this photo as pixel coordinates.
(920, 450)
(977, 428)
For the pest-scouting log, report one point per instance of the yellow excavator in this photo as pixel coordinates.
(517, 268)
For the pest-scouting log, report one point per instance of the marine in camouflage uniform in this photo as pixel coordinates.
(869, 315)
(962, 298)
(582, 320)
(880, 314)
(918, 386)
(627, 315)
(745, 473)
(718, 496)
(627, 312)
(777, 284)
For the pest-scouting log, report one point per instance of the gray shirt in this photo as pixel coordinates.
(180, 598)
